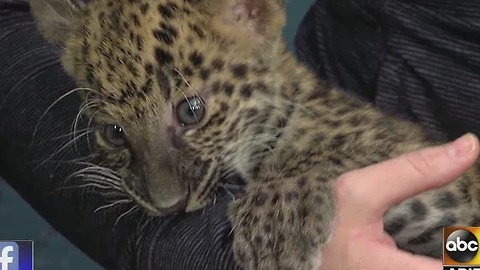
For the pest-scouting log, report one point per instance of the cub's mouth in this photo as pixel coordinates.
(168, 194)
(143, 198)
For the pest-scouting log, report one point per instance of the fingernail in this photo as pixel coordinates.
(463, 146)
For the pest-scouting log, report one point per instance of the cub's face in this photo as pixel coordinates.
(180, 91)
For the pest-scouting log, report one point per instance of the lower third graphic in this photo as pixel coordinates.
(16, 255)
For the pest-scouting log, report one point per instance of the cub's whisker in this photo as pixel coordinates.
(54, 103)
(134, 208)
(110, 205)
(95, 185)
(60, 149)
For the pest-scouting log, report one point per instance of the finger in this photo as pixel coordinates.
(373, 189)
(388, 258)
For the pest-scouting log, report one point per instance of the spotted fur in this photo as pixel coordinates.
(264, 117)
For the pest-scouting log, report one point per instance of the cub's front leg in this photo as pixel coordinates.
(282, 223)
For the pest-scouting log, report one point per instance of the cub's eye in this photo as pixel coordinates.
(114, 135)
(190, 111)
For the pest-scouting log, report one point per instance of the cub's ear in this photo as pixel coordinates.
(259, 21)
(56, 19)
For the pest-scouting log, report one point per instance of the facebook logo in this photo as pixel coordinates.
(16, 255)
(9, 256)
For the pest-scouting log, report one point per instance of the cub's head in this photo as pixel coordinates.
(180, 90)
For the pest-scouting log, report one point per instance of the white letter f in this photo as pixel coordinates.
(5, 259)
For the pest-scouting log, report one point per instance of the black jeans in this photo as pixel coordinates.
(417, 59)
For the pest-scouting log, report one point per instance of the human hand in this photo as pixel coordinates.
(363, 196)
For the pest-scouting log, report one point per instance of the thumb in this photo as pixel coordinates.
(394, 180)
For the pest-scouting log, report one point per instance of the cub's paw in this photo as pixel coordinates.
(278, 226)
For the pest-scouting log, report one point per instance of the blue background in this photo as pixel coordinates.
(52, 251)
(26, 255)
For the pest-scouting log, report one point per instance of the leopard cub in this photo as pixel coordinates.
(187, 92)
